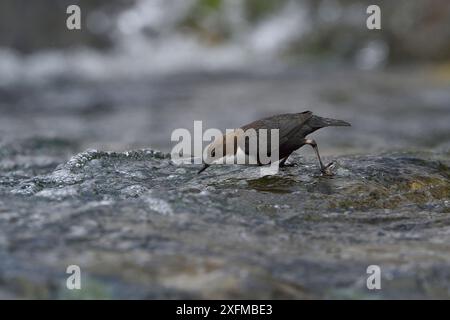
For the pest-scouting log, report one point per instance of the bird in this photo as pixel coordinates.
(293, 131)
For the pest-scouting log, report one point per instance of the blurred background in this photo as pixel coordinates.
(139, 69)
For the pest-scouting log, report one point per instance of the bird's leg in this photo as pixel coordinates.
(324, 169)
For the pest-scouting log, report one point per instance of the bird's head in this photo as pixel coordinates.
(221, 147)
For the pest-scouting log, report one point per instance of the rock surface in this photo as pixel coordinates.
(140, 226)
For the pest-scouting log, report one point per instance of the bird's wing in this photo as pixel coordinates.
(287, 124)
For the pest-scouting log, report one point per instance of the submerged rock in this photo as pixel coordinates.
(140, 226)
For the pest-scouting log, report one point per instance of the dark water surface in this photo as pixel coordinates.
(140, 226)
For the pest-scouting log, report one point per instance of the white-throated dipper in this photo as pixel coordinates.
(292, 131)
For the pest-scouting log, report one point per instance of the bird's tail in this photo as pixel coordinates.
(319, 122)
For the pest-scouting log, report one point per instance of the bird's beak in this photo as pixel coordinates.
(203, 169)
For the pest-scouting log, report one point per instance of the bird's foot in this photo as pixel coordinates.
(328, 169)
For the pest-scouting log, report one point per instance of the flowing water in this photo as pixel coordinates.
(140, 226)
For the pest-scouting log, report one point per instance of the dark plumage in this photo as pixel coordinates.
(293, 129)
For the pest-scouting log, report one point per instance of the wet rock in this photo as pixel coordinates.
(225, 232)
